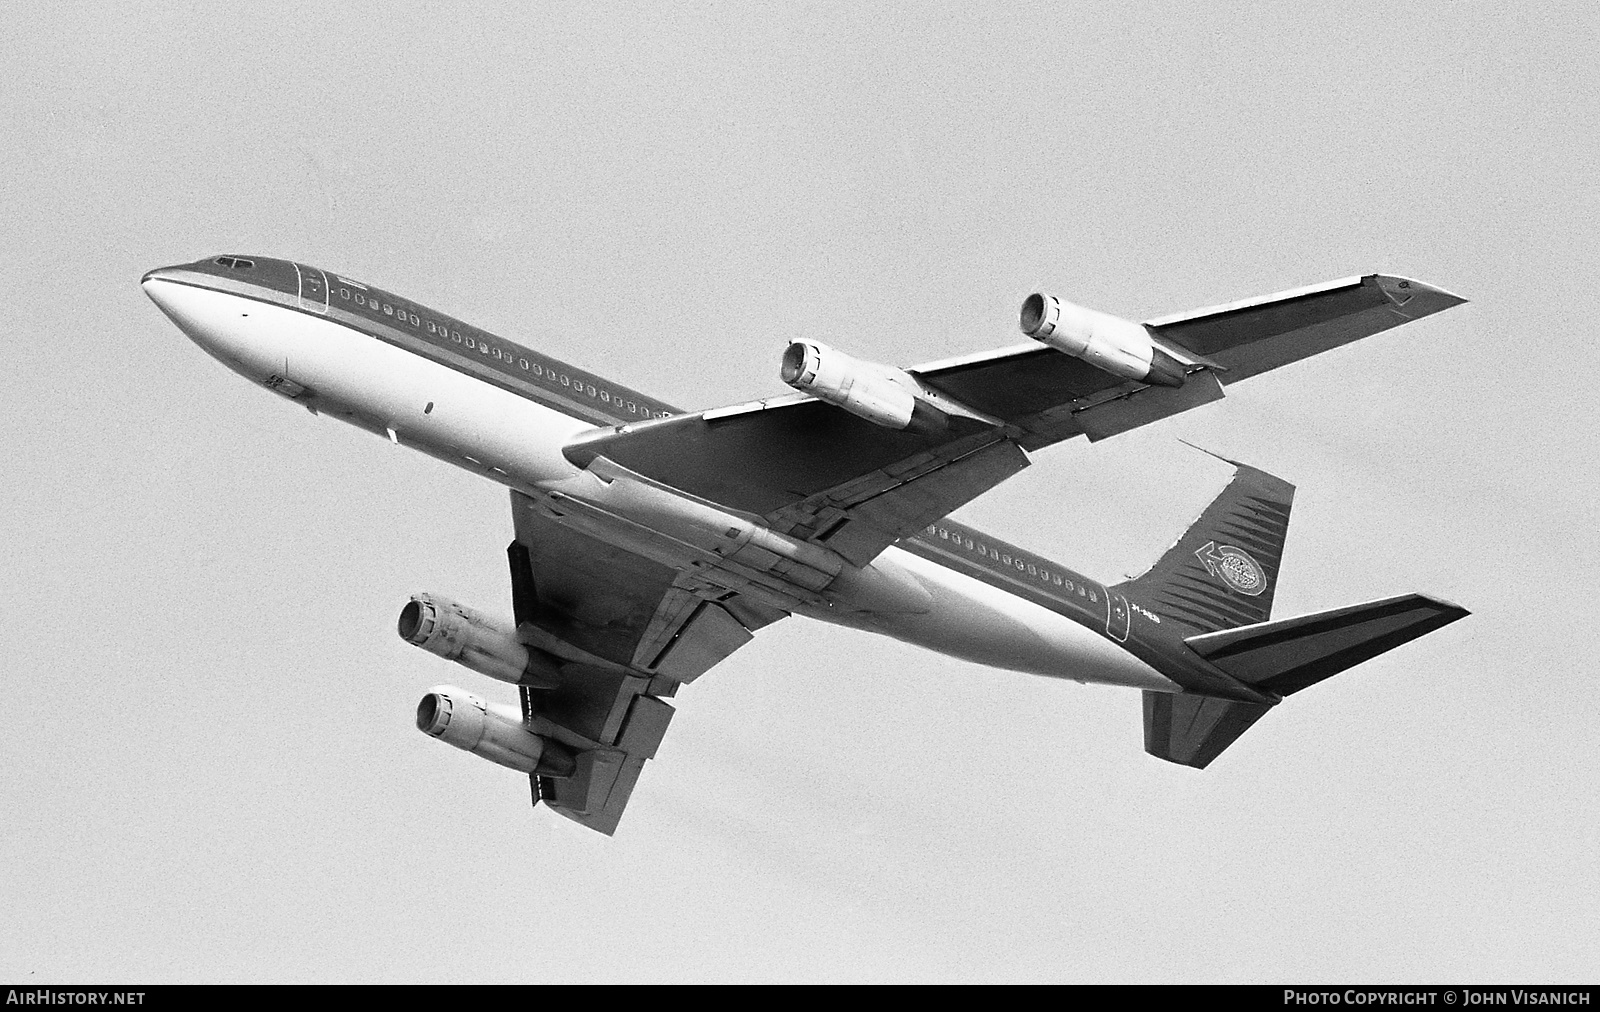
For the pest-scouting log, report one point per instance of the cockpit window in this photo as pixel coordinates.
(237, 263)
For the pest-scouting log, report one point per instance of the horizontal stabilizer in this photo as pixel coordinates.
(1193, 730)
(1288, 655)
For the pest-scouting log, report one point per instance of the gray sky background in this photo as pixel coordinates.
(211, 770)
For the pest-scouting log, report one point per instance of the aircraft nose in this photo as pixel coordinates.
(218, 321)
(179, 301)
(156, 285)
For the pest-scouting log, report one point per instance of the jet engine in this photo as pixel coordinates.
(881, 394)
(1120, 347)
(441, 626)
(491, 730)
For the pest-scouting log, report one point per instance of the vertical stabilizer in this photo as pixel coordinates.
(1193, 730)
(1223, 572)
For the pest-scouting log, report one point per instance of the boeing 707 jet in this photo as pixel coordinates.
(651, 542)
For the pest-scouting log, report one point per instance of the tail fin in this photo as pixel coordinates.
(1223, 572)
(1218, 581)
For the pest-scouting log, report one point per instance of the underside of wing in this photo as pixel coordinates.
(1247, 338)
(810, 470)
(622, 632)
(1050, 396)
(853, 473)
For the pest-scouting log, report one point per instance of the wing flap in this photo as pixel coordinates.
(709, 635)
(859, 527)
(597, 791)
(623, 631)
(1141, 405)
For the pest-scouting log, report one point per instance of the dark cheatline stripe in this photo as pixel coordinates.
(547, 392)
(1089, 608)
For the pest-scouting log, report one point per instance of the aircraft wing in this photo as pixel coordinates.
(817, 472)
(624, 632)
(1051, 397)
(808, 469)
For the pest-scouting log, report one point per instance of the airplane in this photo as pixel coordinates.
(651, 542)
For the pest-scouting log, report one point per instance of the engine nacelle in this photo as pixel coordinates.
(881, 394)
(1120, 347)
(491, 730)
(441, 626)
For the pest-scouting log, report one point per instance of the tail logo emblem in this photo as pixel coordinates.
(1234, 567)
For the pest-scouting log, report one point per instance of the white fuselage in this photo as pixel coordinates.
(456, 417)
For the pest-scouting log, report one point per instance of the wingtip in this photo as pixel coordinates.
(1451, 611)
(1415, 298)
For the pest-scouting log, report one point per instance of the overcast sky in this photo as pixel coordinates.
(211, 770)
